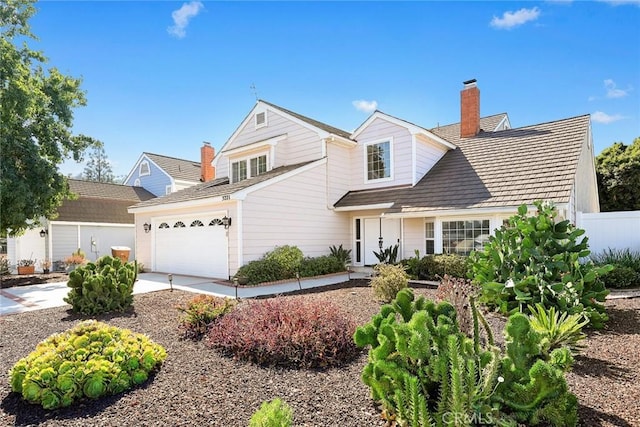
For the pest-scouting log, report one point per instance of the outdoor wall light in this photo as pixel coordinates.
(226, 222)
(147, 227)
(170, 277)
(44, 232)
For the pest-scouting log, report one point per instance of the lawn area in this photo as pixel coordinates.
(197, 386)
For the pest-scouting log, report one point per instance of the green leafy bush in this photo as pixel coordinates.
(626, 267)
(200, 311)
(388, 255)
(556, 330)
(294, 332)
(90, 360)
(434, 267)
(389, 279)
(101, 287)
(288, 257)
(412, 265)
(318, 266)
(422, 369)
(274, 413)
(260, 271)
(535, 259)
(341, 254)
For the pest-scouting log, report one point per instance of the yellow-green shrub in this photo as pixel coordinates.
(388, 281)
(91, 360)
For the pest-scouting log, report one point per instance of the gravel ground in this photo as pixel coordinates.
(196, 386)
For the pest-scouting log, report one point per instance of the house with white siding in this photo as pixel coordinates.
(283, 178)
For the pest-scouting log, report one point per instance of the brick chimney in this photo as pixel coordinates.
(469, 109)
(207, 171)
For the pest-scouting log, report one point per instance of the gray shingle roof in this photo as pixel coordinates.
(187, 170)
(493, 169)
(216, 188)
(504, 168)
(101, 202)
(312, 122)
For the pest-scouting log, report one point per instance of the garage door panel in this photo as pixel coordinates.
(190, 245)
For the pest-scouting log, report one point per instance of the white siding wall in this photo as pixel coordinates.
(301, 144)
(413, 229)
(427, 155)
(586, 186)
(65, 241)
(338, 167)
(106, 237)
(615, 230)
(27, 246)
(293, 212)
(378, 130)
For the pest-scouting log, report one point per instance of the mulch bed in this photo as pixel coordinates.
(197, 386)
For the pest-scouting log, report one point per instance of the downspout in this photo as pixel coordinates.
(239, 222)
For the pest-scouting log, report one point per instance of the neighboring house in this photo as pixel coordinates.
(94, 222)
(283, 178)
(163, 175)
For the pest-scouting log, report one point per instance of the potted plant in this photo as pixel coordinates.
(46, 266)
(77, 258)
(27, 266)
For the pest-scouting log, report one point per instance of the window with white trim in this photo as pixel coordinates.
(429, 237)
(144, 169)
(167, 189)
(136, 183)
(462, 237)
(261, 119)
(257, 166)
(378, 160)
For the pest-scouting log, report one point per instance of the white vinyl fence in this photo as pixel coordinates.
(615, 230)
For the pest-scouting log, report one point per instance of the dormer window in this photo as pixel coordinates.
(144, 169)
(378, 161)
(261, 119)
(257, 166)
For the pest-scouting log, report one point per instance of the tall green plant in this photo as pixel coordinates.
(341, 254)
(538, 259)
(388, 255)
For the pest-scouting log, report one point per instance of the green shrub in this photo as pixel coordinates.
(341, 254)
(556, 330)
(292, 332)
(274, 413)
(422, 369)
(434, 267)
(318, 266)
(412, 265)
(90, 360)
(288, 257)
(260, 271)
(101, 287)
(538, 260)
(200, 311)
(626, 267)
(389, 279)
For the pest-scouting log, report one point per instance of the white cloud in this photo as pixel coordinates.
(613, 91)
(513, 19)
(604, 118)
(182, 16)
(366, 106)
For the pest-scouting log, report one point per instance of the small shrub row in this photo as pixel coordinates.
(102, 287)
(434, 267)
(626, 267)
(90, 360)
(292, 332)
(200, 311)
(285, 261)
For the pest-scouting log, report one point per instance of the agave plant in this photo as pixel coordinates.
(557, 330)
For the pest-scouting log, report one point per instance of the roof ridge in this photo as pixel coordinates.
(170, 157)
(457, 123)
(307, 119)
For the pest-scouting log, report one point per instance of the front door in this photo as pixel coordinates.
(374, 228)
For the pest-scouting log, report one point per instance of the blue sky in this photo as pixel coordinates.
(164, 76)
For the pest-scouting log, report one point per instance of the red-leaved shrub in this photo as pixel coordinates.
(292, 332)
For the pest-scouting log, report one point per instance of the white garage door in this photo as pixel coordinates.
(195, 245)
